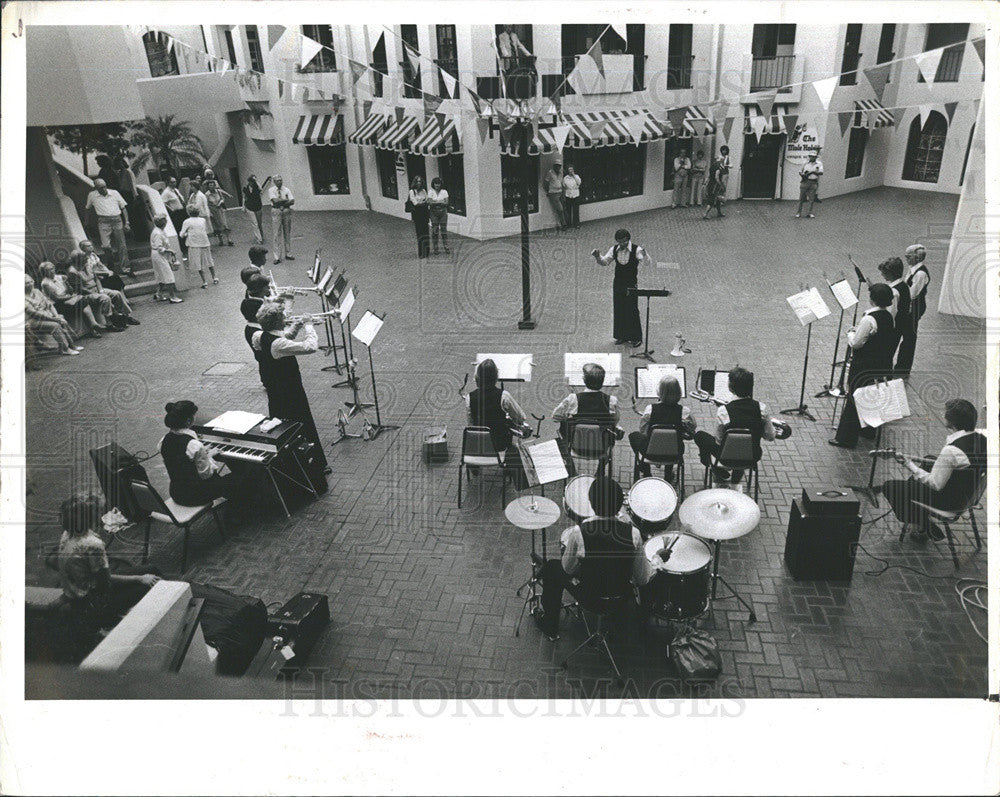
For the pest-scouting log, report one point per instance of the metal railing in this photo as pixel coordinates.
(771, 71)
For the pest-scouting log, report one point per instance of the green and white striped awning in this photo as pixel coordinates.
(397, 135)
(883, 116)
(321, 129)
(370, 129)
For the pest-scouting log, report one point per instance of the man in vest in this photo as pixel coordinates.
(916, 280)
(892, 272)
(598, 558)
(626, 257)
(591, 404)
(939, 487)
(279, 370)
(742, 412)
(872, 344)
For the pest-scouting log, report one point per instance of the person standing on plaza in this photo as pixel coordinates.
(174, 202)
(416, 206)
(112, 224)
(164, 262)
(554, 191)
(699, 166)
(197, 198)
(195, 230)
(724, 167)
(626, 257)
(917, 280)
(715, 190)
(279, 196)
(216, 197)
(253, 204)
(571, 196)
(682, 167)
(437, 203)
(810, 174)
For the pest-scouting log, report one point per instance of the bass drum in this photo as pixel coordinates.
(680, 567)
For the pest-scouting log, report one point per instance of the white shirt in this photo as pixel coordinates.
(206, 465)
(951, 458)
(810, 172)
(767, 433)
(573, 550)
(686, 419)
(283, 193)
(609, 257)
(864, 330)
(554, 182)
(200, 201)
(172, 198)
(195, 231)
(571, 185)
(568, 407)
(288, 347)
(106, 205)
(438, 197)
(920, 279)
(682, 162)
(894, 307)
(418, 197)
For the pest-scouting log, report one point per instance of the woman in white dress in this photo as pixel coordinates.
(195, 231)
(164, 261)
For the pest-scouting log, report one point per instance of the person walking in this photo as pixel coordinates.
(164, 262)
(682, 167)
(416, 205)
(698, 177)
(571, 196)
(554, 191)
(281, 200)
(810, 174)
(253, 204)
(715, 190)
(195, 229)
(174, 201)
(437, 202)
(216, 197)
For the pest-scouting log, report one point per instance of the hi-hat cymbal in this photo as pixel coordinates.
(719, 514)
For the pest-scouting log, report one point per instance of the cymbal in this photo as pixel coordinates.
(719, 514)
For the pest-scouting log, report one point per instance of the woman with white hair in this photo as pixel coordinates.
(164, 262)
(195, 231)
(42, 318)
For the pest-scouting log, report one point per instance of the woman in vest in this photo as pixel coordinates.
(916, 281)
(892, 272)
(626, 257)
(872, 344)
(196, 477)
(668, 411)
(491, 406)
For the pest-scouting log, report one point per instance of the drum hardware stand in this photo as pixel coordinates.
(802, 409)
(357, 405)
(733, 593)
(869, 491)
(342, 421)
(533, 597)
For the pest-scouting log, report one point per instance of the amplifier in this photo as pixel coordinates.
(299, 622)
(821, 547)
(830, 501)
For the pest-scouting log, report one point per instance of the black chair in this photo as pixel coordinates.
(478, 451)
(663, 450)
(736, 453)
(166, 510)
(971, 485)
(591, 442)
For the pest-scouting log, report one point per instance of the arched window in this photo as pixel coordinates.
(161, 61)
(925, 148)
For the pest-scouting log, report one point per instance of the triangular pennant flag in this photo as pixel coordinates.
(877, 76)
(400, 114)
(310, 48)
(366, 107)
(757, 124)
(559, 135)
(273, 34)
(676, 118)
(357, 70)
(224, 67)
(766, 103)
(598, 56)
(727, 128)
(719, 112)
(449, 82)
(441, 119)
(573, 78)
(431, 103)
(825, 88)
(636, 124)
(925, 111)
(597, 129)
(928, 63)
(844, 117)
(170, 44)
(871, 120)
(949, 108)
(281, 88)
(483, 127)
(621, 30)
(980, 45)
(476, 102)
(790, 121)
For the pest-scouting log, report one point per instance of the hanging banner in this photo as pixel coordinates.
(273, 34)
(598, 56)
(766, 103)
(825, 88)
(878, 76)
(449, 82)
(559, 134)
(636, 124)
(727, 128)
(310, 49)
(803, 139)
(757, 124)
(949, 108)
(928, 64)
(980, 45)
(844, 118)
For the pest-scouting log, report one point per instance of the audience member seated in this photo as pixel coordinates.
(742, 412)
(606, 541)
(87, 274)
(42, 318)
(72, 305)
(964, 447)
(196, 477)
(668, 411)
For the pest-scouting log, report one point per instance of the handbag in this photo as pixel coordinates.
(695, 655)
(408, 207)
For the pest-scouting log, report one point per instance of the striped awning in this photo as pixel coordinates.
(370, 129)
(593, 129)
(437, 139)
(319, 129)
(775, 125)
(396, 136)
(883, 116)
(696, 124)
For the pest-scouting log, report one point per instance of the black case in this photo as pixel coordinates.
(300, 622)
(821, 547)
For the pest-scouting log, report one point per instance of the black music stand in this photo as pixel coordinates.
(646, 353)
(809, 307)
(346, 303)
(368, 327)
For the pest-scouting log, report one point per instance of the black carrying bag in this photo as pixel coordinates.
(116, 470)
(235, 625)
(695, 654)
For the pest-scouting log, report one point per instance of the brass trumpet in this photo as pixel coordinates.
(312, 318)
(278, 290)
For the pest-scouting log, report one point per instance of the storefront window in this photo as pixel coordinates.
(328, 167)
(609, 172)
(451, 168)
(510, 182)
(385, 160)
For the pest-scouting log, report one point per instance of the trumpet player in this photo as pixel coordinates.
(279, 346)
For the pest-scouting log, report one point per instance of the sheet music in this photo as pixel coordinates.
(314, 271)
(327, 276)
(235, 421)
(335, 289)
(511, 367)
(844, 294)
(648, 379)
(368, 328)
(721, 389)
(573, 363)
(346, 304)
(882, 403)
(808, 306)
(547, 461)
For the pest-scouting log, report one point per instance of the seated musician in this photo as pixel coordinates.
(742, 412)
(591, 405)
(490, 406)
(598, 557)
(668, 411)
(964, 447)
(196, 477)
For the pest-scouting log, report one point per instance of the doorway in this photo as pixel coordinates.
(415, 166)
(760, 165)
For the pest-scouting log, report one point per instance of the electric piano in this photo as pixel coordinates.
(285, 454)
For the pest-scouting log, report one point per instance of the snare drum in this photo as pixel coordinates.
(678, 588)
(576, 498)
(651, 504)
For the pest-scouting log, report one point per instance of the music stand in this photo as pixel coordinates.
(345, 305)
(331, 342)
(841, 290)
(366, 330)
(888, 413)
(646, 353)
(510, 367)
(809, 307)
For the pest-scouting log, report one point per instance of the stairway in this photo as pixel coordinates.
(143, 282)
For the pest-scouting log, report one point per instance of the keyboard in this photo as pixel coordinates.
(256, 446)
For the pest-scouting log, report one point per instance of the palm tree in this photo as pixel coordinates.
(168, 144)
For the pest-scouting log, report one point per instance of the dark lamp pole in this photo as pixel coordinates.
(526, 321)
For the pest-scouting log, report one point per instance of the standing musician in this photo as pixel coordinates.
(916, 280)
(626, 256)
(286, 398)
(872, 344)
(892, 272)
(668, 411)
(258, 287)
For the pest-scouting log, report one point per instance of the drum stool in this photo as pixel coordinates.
(601, 608)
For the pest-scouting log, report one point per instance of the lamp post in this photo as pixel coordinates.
(523, 138)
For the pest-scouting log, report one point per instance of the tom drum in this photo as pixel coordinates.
(681, 571)
(576, 500)
(651, 504)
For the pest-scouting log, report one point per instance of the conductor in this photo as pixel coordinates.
(626, 256)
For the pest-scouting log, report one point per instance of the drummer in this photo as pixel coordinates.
(668, 411)
(609, 545)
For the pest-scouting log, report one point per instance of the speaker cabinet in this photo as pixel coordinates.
(821, 547)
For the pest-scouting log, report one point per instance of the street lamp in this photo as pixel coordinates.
(523, 137)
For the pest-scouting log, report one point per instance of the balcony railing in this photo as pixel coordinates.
(679, 71)
(771, 71)
(950, 67)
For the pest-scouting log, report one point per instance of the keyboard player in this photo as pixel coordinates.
(196, 477)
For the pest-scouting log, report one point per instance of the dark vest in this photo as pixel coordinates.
(484, 406)
(626, 276)
(962, 483)
(608, 556)
(918, 303)
(186, 486)
(744, 413)
(904, 318)
(594, 407)
(668, 415)
(281, 370)
(875, 358)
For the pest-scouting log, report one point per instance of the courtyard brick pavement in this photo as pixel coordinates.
(421, 592)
